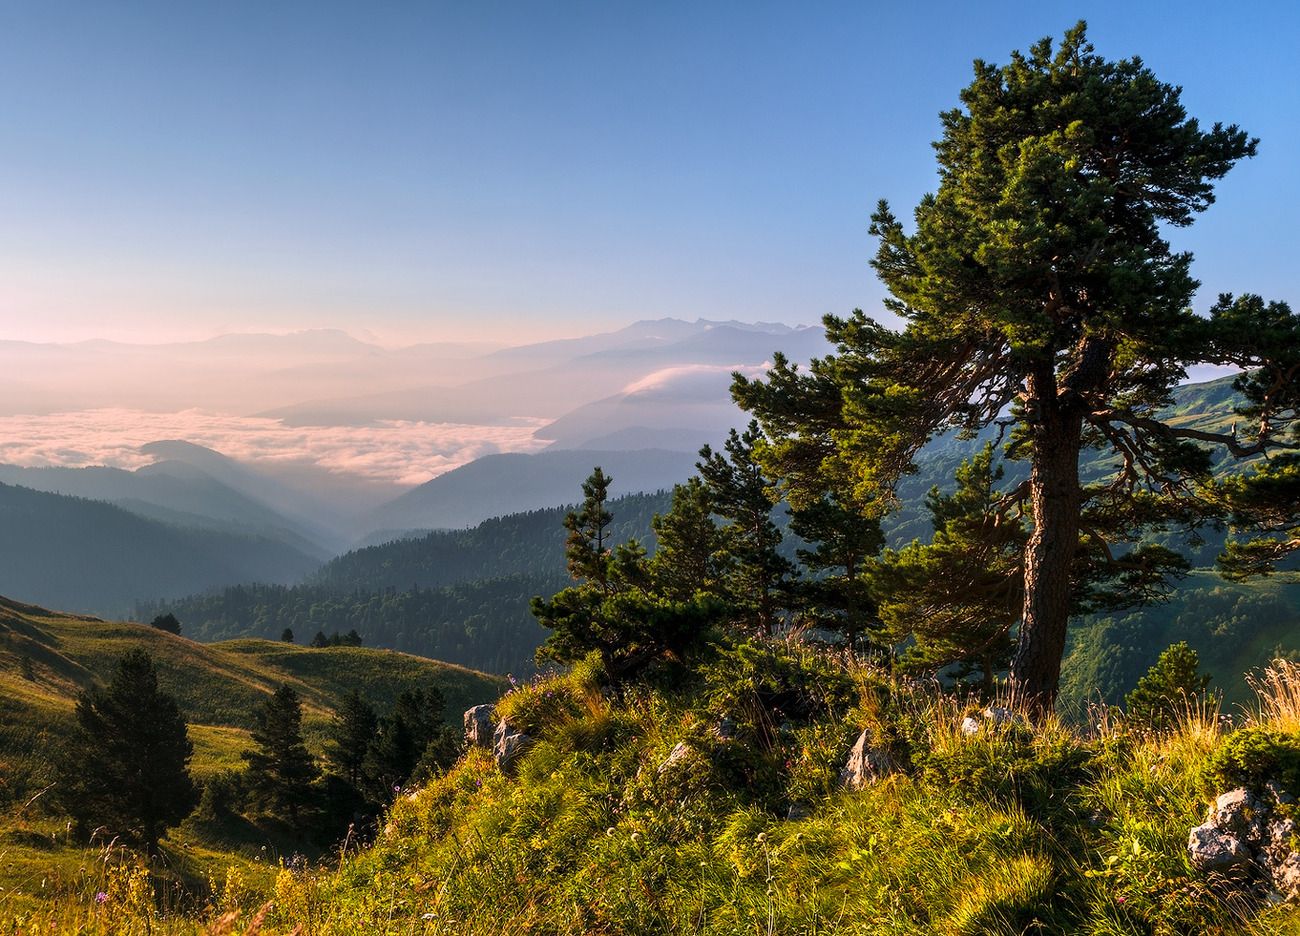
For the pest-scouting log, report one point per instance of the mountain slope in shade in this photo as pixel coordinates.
(89, 556)
(177, 493)
(511, 483)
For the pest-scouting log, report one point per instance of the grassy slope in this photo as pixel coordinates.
(1001, 833)
(218, 686)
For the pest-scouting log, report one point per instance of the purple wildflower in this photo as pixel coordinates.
(101, 897)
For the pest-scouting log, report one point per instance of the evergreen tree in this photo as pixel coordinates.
(844, 541)
(612, 609)
(286, 635)
(587, 548)
(350, 734)
(688, 558)
(280, 769)
(410, 736)
(740, 493)
(129, 769)
(1038, 281)
(1168, 688)
(955, 599)
(166, 622)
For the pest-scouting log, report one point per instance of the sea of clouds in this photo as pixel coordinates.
(398, 452)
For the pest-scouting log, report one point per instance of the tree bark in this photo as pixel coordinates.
(1049, 555)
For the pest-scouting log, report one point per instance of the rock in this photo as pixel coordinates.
(1000, 716)
(1212, 849)
(479, 723)
(1280, 795)
(868, 761)
(1285, 876)
(996, 716)
(681, 755)
(798, 811)
(509, 745)
(1235, 812)
(725, 729)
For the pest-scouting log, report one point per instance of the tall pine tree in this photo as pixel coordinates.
(1038, 281)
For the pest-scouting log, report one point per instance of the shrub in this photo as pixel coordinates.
(1254, 756)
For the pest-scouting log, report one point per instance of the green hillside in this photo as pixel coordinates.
(47, 658)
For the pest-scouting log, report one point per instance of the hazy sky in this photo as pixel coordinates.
(513, 171)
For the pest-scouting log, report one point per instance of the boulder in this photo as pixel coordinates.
(509, 745)
(868, 761)
(479, 723)
(1235, 811)
(1212, 849)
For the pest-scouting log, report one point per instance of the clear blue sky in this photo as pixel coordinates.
(528, 169)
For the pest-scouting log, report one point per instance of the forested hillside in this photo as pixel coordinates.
(530, 543)
(93, 557)
(484, 624)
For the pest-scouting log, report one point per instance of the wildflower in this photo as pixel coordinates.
(101, 897)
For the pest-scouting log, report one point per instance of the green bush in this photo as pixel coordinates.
(1252, 757)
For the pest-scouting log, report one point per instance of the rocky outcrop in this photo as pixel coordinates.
(508, 745)
(479, 725)
(1245, 836)
(868, 761)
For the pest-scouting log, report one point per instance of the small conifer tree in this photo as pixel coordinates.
(129, 770)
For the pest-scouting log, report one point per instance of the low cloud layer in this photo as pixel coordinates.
(393, 452)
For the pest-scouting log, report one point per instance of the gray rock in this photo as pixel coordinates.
(999, 716)
(995, 716)
(508, 746)
(1280, 795)
(798, 811)
(868, 761)
(1285, 876)
(1236, 811)
(725, 729)
(479, 723)
(1212, 849)
(681, 755)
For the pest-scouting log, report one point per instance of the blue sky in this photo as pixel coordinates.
(516, 171)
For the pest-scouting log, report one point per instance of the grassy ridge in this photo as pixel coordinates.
(47, 658)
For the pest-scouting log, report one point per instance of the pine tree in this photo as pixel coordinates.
(844, 541)
(739, 492)
(1038, 283)
(404, 738)
(1171, 685)
(688, 558)
(350, 734)
(280, 769)
(955, 599)
(129, 769)
(613, 609)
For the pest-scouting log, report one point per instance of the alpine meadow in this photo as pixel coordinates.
(363, 572)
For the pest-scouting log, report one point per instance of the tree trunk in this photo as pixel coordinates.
(1049, 554)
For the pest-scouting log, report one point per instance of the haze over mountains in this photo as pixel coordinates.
(290, 449)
